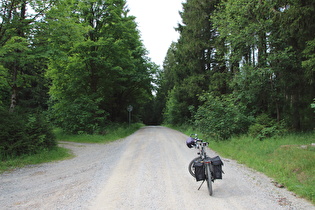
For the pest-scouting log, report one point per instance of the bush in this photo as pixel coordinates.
(12, 134)
(39, 132)
(79, 116)
(23, 134)
(176, 111)
(221, 117)
(265, 127)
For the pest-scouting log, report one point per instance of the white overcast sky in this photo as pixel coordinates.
(156, 21)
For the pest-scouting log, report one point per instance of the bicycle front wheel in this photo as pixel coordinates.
(209, 179)
(191, 167)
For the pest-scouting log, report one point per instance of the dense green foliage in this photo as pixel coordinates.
(23, 134)
(78, 64)
(101, 67)
(237, 60)
(221, 117)
(24, 88)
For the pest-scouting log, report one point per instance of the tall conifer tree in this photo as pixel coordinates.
(194, 57)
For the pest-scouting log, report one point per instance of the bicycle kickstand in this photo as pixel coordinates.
(201, 184)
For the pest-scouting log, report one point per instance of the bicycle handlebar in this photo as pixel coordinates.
(194, 134)
(196, 138)
(203, 143)
(199, 141)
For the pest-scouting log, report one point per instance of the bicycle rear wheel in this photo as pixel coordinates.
(209, 179)
(191, 167)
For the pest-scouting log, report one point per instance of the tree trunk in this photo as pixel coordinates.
(14, 88)
(13, 98)
(296, 120)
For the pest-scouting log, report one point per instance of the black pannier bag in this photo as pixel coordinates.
(216, 167)
(199, 171)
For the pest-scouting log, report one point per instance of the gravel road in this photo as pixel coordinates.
(147, 170)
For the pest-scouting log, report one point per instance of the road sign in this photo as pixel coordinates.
(129, 108)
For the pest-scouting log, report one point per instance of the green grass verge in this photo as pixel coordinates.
(289, 160)
(57, 153)
(284, 159)
(114, 132)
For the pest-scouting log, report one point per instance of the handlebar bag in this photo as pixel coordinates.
(216, 168)
(190, 142)
(199, 171)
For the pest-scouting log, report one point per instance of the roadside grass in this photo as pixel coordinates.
(114, 132)
(289, 160)
(44, 156)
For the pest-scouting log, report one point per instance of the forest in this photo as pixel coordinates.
(72, 64)
(239, 66)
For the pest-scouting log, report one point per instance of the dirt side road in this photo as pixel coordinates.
(147, 170)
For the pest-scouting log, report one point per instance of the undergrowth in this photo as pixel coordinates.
(112, 133)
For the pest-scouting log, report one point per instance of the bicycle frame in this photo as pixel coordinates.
(200, 145)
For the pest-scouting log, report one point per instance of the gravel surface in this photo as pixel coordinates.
(147, 170)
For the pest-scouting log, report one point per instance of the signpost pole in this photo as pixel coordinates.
(129, 109)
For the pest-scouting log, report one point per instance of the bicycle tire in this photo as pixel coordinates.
(191, 168)
(209, 179)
